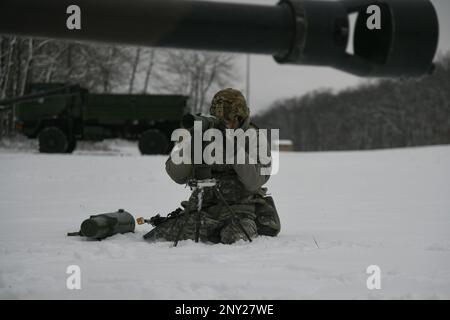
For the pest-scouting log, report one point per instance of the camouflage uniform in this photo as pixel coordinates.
(240, 185)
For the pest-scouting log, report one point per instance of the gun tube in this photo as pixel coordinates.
(310, 32)
(160, 23)
(63, 91)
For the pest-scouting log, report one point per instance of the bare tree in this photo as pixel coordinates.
(7, 65)
(134, 68)
(107, 69)
(100, 68)
(196, 74)
(149, 69)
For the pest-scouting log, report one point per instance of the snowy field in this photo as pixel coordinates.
(385, 208)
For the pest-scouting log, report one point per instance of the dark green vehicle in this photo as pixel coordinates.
(59, 115)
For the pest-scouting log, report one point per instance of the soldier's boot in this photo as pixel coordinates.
(232, 232)
(268, 226)
(267, 219)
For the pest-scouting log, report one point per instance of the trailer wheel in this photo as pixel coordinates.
(53, 140)
(153, 141)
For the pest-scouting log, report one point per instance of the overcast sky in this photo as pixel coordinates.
(270, 81)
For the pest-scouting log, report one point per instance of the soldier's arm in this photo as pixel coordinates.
(179, 173)
(250, 175)
(254, 176)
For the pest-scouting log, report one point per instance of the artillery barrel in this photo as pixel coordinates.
(310, 32)
(63, 91)
(167, 23)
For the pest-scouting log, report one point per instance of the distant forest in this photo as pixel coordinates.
(383, 114)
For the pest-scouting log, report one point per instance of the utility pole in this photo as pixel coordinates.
(248, 80)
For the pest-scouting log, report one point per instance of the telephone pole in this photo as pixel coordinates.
(248, 79)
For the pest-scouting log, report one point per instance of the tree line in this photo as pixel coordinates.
(382, 114)
(110, 69)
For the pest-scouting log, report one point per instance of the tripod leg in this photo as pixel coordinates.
(180, 230)
(197, 220)
(197, 226)
(234, 217)
(198, 215)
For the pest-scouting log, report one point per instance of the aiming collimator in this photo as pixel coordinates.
(207, 122)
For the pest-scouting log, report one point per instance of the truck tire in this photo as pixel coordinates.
(153, 141)
(72, 145)
(53, 140)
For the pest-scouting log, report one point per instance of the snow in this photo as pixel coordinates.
(387, 208)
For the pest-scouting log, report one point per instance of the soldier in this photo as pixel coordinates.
(244, 211)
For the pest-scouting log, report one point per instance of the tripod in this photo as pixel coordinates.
(198, 187)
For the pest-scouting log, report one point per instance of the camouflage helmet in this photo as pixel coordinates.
(228, 104)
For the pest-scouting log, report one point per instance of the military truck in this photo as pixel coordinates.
(59, 115)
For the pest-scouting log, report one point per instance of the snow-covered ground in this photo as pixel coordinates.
(385, 208)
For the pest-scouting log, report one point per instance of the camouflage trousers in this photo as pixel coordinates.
(216, 224)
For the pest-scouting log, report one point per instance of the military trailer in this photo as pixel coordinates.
(59, 115)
